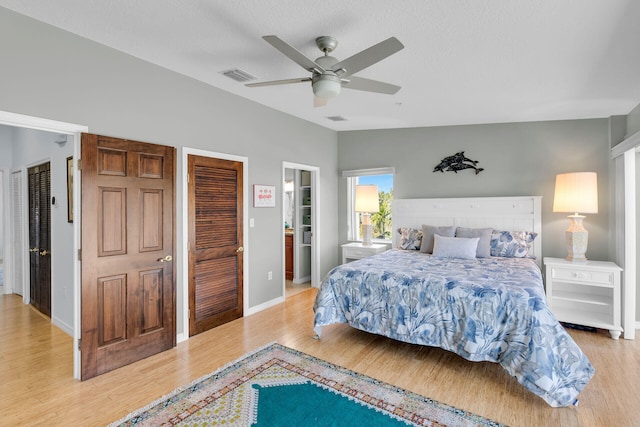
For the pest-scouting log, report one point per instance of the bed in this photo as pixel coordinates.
(490, 308)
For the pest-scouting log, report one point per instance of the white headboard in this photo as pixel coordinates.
(521, 213)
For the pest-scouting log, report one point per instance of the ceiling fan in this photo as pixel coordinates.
(328, 75)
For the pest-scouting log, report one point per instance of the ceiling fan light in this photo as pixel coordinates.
(326, 86)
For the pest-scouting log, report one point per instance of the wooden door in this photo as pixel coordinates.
(128, 283)
(40, 237)
(288, 256)
(215, 242)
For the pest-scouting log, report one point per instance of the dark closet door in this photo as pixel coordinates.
(215, 242)
(40, 237)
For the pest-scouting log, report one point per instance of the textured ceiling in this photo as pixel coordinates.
(464, 62)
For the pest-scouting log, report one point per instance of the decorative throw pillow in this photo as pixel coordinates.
(484, 234)
(454, 247)
(428, 231)
(410, 238)
(512, 244)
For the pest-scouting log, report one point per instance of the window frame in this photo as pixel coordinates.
(353, 220)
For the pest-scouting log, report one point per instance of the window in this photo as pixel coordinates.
(381, 220)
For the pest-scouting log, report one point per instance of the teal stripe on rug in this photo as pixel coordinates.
(308, 404)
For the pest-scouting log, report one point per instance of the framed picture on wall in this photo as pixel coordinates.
(70, 189)
(264, 196)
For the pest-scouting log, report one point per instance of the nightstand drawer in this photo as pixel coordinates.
(357, 253)
(355, 250)
(567, 274)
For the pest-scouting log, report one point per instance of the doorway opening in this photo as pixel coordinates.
(301, 227)
(66, 275)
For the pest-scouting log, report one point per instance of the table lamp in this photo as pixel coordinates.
(576, 192)
(366, 202)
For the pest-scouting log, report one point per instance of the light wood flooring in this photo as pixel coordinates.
(292, 289)
(37, 388)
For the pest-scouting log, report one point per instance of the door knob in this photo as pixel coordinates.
(45, 252)
(240, 249)
(34, 250)
(168, 258)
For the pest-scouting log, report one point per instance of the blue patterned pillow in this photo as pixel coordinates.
(511, 244)
(410, 238)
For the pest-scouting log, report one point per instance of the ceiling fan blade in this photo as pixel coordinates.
(359, 83)
(280, 82)
(294, 54)
(368, 57)
(319, 102)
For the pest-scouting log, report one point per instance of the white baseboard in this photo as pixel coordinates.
(263, 306)
(62, 325)
(302, 280)
(253, 310)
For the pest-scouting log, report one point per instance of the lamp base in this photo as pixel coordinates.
(576, 239)
(367, 235)
(367, 230)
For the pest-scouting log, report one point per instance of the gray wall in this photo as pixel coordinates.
(53, 74)
(633, 121)
(518, 159)
(6, 135)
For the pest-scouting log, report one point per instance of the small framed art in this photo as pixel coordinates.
(264, 196)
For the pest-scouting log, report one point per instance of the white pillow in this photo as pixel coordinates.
(454, 247)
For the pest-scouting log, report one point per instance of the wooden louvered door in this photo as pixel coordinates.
(215, 242)
(40, 237)
(128, 283)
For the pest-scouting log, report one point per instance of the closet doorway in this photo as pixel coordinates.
(301, 227)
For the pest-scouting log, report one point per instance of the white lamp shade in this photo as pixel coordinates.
(367, 198)
(326, 86)
(576, 192)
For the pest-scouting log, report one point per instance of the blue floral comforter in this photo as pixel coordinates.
(483, 309)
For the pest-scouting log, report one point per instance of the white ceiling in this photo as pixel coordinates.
(464, 62)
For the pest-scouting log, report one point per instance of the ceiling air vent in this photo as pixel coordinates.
(337, 118)
(238, 75)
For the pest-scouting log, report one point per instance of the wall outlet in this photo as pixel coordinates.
(270, 275)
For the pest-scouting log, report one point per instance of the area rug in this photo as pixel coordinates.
(279, 386)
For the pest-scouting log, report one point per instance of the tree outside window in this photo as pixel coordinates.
(381, 220)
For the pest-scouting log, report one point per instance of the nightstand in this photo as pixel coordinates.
(585, 293)
(355, 250)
